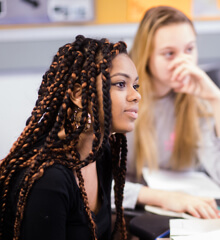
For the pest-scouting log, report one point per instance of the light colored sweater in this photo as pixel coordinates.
(207, 152)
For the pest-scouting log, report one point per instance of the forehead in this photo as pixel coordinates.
(174, 35)
(123, 64)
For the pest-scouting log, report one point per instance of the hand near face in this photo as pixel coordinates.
(187, 77)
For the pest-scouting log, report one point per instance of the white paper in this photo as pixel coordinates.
(199, 229)
(194, 183)
(187, 226)
(213, 235)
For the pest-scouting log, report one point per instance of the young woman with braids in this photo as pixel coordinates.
(178, 127)
(55, 183)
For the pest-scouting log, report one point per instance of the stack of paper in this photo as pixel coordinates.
(199, 229)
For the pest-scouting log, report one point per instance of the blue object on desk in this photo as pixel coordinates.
(164, 234)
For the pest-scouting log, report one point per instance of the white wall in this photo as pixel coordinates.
(18, 93)
(35, 47)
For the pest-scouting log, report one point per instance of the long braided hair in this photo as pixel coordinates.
(78, 62)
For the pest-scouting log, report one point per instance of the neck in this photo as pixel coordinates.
(84, 145)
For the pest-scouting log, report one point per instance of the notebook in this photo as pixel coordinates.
(199, 229)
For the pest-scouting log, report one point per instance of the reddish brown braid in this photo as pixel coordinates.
(12, 163)
(118, 143)
(77, 62)
(119, 152)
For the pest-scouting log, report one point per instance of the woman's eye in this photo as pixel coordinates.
(189, 50)
(168, 54)
(136, 87)
(119, 84)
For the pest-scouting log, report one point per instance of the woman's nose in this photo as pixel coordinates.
(184, 55)
(134, 95)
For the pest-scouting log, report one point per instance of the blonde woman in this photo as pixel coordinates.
(179, 104)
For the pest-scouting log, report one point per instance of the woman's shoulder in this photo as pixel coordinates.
(57, 178)
(59, 171)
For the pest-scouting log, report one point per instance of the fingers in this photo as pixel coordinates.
(199, 207)
(181, 79)
(211, 202)
(192, 211)
(207, 212)
(180, 61)
(188, 86)
(179, 73)
(203, 210)
(176, 85)
(214, 205)
(186, 76)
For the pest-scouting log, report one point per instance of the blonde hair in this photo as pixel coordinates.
(187, 107)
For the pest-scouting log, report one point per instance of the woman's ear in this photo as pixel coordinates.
(76, 95)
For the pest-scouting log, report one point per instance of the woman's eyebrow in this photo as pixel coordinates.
(120, 74)
(174, 47)
(191, 42)
(124, 75)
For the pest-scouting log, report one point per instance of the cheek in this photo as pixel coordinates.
(195, 58)
(116, 104)
(117, 109)
(159, 68)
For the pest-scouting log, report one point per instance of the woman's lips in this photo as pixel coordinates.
(132, 113)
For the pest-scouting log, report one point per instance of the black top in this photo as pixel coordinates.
(55, 209)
